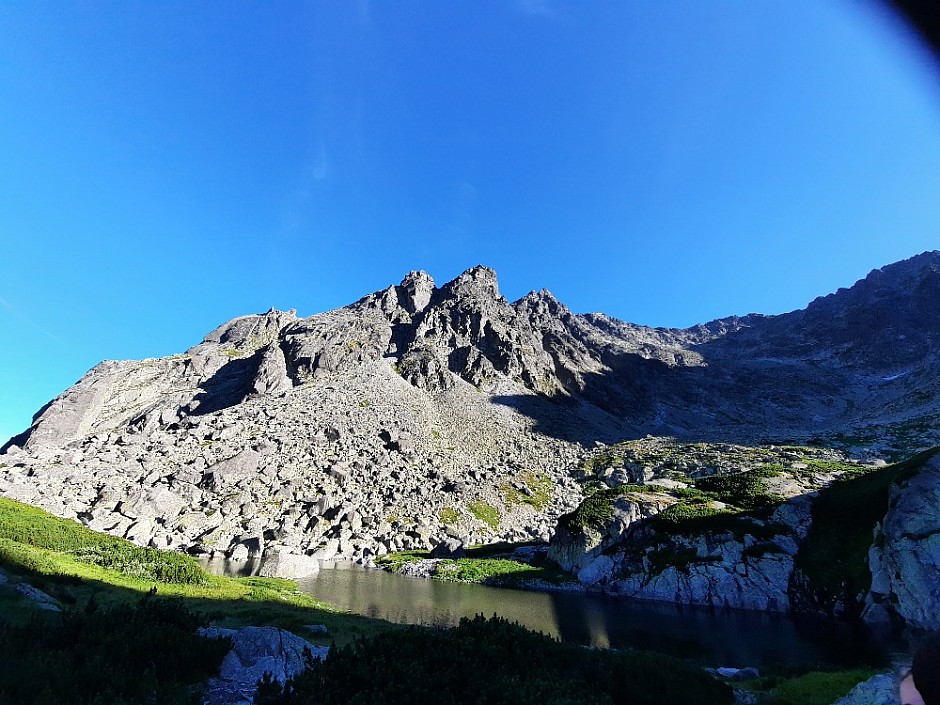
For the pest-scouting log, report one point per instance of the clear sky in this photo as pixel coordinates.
(166, 166)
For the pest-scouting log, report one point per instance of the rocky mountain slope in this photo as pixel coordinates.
(421, 412)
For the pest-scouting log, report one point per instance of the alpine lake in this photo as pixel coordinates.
(713, 637)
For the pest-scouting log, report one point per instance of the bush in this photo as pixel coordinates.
(746, 490)
(143, 653)
(493, 661)
(818, 688)
(145, 563)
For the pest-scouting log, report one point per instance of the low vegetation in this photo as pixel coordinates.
(493, 661)
(449, 516)
(596, 508)
(812, 688)
(491, 564)
(485, 513)
(696, 509)
(127, 630)
(536, 491)
(834, 555)
(479, 570)
(142, 652)
(75, 565)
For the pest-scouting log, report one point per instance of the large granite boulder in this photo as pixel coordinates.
(281, 562)
(256, 651)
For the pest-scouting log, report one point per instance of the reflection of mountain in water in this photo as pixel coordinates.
(716, 637)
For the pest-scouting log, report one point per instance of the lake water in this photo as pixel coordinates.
(713, 637)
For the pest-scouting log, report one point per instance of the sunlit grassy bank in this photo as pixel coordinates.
(487, 565)
(73, 564)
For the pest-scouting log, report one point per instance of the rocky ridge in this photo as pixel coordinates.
(422, 412)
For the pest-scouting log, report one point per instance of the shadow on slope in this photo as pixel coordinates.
(724, 398)
(228, 386)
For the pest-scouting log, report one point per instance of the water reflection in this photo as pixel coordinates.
(717, 637)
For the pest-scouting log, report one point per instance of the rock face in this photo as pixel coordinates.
(905, 556)
(422, 413)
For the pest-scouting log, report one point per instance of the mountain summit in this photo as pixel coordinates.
(418, 399)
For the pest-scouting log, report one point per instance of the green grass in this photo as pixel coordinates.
(396, 559)
(817, 688)
(24, 525)
(834, 555)
(47, 552)
(478, 570)
(487, 564)
(486, 513)
(448, 516)
(539, 495)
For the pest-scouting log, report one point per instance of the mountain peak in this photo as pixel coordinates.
(417, 287)
(477, 280)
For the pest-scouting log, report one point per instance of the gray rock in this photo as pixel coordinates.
(239, 467)
(42, 600)
(881, 689)
(598, 569)
(256, 651)
(738, 674)
(485, 393)
(906, 565)
(449, 548)
(271, 377)
(281, 562)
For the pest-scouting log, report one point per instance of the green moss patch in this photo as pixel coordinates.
(745, 490)
(486, 513)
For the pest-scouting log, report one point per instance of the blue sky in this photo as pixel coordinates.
(167, 166)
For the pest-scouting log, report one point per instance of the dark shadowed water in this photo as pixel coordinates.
(717, 637)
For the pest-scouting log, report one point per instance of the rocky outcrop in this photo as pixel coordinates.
(747, 566)
(582, 549)
(881, 689)
(37, 597)
(649, 535)
(255, 652)
(905, 556)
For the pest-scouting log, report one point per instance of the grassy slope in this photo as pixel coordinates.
(62, 558)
